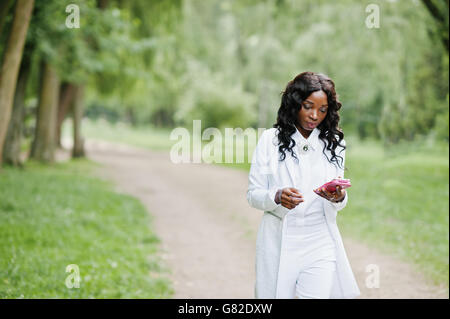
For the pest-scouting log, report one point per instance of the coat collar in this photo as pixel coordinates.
(312, 140)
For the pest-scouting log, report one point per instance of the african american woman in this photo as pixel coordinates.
(299, 249)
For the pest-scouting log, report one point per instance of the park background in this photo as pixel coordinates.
(134, 70)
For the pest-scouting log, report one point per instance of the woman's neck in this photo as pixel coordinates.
(304, 133)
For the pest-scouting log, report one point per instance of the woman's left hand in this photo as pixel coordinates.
(334, 197)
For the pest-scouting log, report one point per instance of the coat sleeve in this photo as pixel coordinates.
(259, 195)
(341, 205)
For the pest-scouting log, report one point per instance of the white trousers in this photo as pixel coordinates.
(309, 263)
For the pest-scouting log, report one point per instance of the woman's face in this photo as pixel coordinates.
(312, 113)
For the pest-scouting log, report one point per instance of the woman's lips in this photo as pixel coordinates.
(311, 125)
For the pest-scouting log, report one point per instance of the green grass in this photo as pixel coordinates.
(146, 137)
(399, 201)
(57, 215)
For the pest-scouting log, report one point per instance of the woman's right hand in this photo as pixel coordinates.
(289, 197)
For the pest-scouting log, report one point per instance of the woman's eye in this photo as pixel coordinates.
(324, 110)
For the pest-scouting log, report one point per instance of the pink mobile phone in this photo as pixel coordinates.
(331, 186)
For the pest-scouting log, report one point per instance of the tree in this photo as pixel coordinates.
(66, 97)
(11, 62)
(78, 142)
(439, 12)
(43, 148)
(11, 149)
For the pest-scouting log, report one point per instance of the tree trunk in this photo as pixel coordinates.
(102, 4)
(78, 141)
(440, 16)
(66, 97)
(11, 149)
(11, 62)
(43, 148)
(130, 116)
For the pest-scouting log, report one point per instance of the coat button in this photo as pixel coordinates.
(305, 148)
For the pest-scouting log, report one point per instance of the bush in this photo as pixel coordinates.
(217, 105)
(441, 127)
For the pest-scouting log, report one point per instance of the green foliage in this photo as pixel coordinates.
(102, 48)
(392, 81)
(216, 104)
(168, 62)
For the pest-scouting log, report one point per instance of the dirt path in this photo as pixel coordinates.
(208, 230)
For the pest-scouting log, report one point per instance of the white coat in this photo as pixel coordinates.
(267, 175)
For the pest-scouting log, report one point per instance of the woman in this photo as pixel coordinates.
(299, 250)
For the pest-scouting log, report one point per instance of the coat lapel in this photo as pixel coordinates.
(289, 163)
(293, 169)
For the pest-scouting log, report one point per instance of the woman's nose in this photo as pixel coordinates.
(313, 116)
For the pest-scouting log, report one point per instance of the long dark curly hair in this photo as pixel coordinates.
(295, 93)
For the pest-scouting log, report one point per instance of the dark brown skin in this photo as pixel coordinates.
(314, 110)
